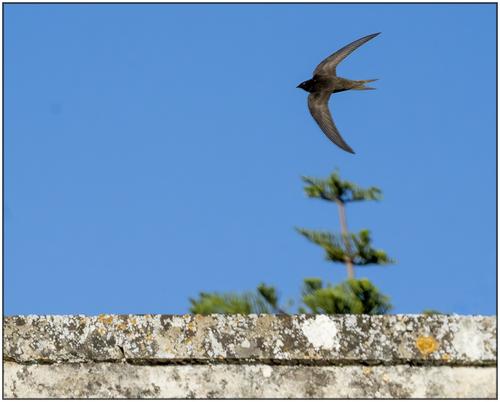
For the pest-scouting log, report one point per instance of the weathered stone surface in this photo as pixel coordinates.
(122, 380)
(305, 339)
(266, 356)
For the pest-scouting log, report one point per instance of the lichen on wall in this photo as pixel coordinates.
(316, 355)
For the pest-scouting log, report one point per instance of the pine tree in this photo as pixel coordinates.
(354, 296)
(263, 301)
(348, 248)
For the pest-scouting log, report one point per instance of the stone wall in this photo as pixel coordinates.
(253, 356)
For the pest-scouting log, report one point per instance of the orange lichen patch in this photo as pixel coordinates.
(105, 319)
(121, 326)
(427, 344)
(367, 370)
(133, 321)
(445, 357)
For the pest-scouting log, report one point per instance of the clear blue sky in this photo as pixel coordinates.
(155, 151)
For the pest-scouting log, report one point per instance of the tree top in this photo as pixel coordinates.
(335, 189)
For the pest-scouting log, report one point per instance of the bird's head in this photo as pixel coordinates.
(306, 85)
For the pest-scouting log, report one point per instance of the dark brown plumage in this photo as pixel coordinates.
(326, 82)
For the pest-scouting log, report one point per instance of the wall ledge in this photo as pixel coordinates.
(215, 349)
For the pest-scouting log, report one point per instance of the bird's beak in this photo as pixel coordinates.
(298, 86)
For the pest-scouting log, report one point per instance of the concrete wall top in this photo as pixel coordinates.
(270, 339)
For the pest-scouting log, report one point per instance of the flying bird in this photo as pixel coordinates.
(326, 82)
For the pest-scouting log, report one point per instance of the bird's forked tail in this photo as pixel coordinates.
(360, 85)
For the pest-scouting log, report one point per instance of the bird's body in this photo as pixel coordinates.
(332, 84)
(324, 83)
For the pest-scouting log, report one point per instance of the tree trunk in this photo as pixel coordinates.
(347, 243)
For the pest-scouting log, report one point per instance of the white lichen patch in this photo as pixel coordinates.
(321, 332)
(177, 321)
(267, 371)
(214, 347)
(350, 321)
(277, 350)
(470, 342)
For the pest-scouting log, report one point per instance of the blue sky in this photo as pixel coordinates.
(155, 151)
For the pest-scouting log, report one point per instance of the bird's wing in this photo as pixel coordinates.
(329, 65)
(318, 106)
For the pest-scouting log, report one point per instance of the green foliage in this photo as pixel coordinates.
(431, 312)
(335, 248)
(264, 301)
(354, 296)
(269, 295)
(364, 253)
(337, 190)
(225, 303)
(311, 285)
